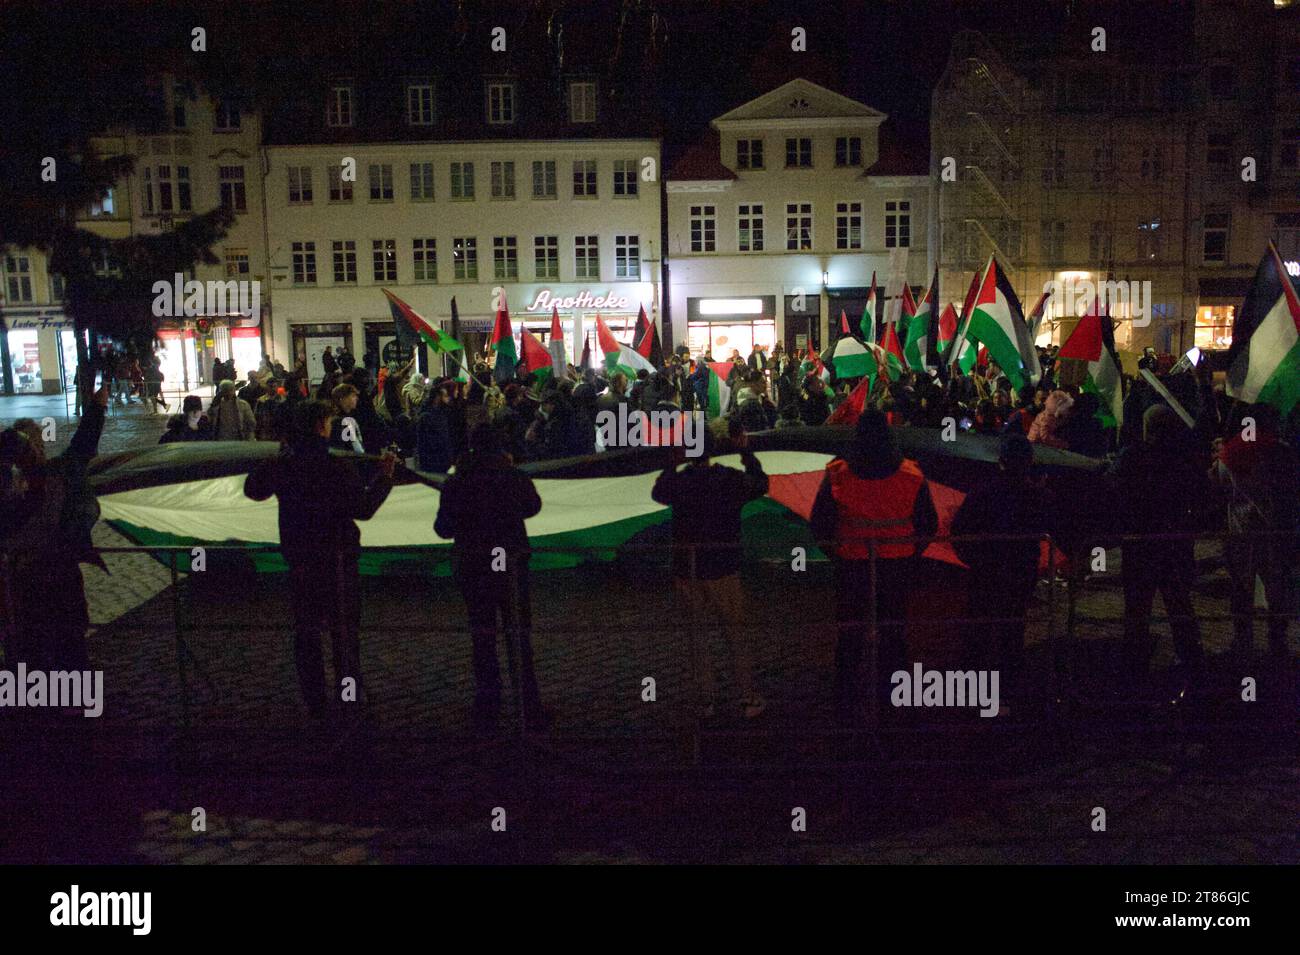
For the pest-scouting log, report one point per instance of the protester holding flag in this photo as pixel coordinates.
(482, 510)
(870, 497)
(707, 500)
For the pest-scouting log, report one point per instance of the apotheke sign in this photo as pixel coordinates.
(545, 301)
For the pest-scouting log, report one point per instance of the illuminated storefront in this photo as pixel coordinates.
(1214, 326)
(719, 325)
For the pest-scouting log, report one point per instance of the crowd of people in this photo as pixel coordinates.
(1233, 470)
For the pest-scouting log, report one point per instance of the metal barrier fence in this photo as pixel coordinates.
(662, 639)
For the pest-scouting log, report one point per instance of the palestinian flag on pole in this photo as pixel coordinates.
(1093, 341)
(719, 390)
(815, 360)
(957, 348)
(1264, 358)
(892, 353)
(584, 363)
(461, 374)
(917, 338)
(645, 340)
(537, 361)
(850, 408)
(852, 359)
(410, 324)
(997, 323)
(619, 357)
(947, 332)
(555, 345)
(870, 313)
(1035, 317)
(503, 344)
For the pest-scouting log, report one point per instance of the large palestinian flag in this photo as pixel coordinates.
(869, 325)
(555, 344)
(619, 357)
(1093, 341)
(719, 396)
(1035, 317)
(947, 333)
(892, 352)
(1264, 358)
(852, 359)
(645, 340)
(997, 323)
(537, 361)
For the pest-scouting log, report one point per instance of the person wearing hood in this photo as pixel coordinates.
(871, 498)
(1161, 488)
(482, 509)
(1049, 427)
(191, 425)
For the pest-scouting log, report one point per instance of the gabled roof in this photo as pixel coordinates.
(702, 162)
(800, 99)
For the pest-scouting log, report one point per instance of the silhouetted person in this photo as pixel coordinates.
(1002, 572)
(871, 495)
(321, 498)
(482, 511)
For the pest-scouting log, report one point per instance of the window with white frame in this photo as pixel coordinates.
(419, 104)
(462, 180)
(505, 257)
(582, 101)
(464, 257)
(147, 191)
(898, 223)
(704, 229)
(749, 236)
(586, 256)
(299, 185)
(18, 278)
(421, 181)
(304, 263)
(584, 179)
(798, 226)
(381, 182)
(425, 252)
(546, 256)
(340, 188)
(503, 180)
(236, 262)
(625, 177)
(848, 151)
(500, 103)
(184, 197)
(627, 256)
(749, 154)
(225, 117)
(338, 105)
(848, 225)
(544, 179)
(231, 181)
(384, 258)
(58, 287)
(345, 261)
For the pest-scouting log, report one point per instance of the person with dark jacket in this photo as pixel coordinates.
(47, 511)
(1083, 431)
(482, 510)
(434, 450)
(328, 362)
(1259, 476)
(707, 500)
(699, 382)
(869, 497)
(321, 498)
(346, 360)
(1002, 572)
(191, 425)
(814, 402)
(1161, 488)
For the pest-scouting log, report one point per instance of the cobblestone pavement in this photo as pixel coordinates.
(620, 779)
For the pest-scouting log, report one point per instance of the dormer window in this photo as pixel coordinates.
(582, 101)
(225, 117)
(338, 107)
(419, 104)
(500, 103)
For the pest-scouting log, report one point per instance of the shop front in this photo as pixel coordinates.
(1216, 309)
(310, 342)
(720, 325)
(38, 350)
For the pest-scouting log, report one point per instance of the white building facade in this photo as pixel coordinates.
(572, 223)
(777, 223)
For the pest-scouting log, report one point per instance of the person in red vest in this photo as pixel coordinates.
(870, 496)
